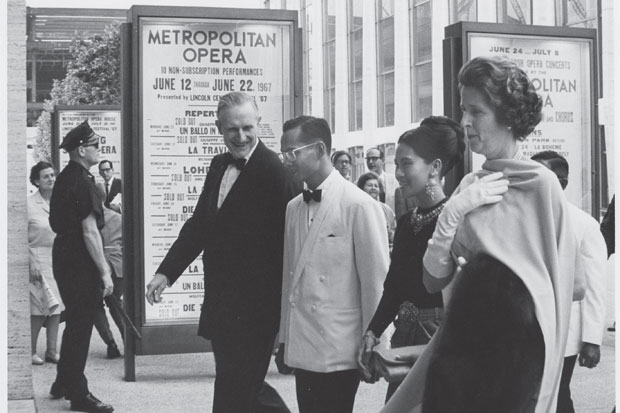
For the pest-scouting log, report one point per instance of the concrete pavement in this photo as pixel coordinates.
(184, 383)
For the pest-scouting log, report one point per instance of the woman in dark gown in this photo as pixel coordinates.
(423, 156)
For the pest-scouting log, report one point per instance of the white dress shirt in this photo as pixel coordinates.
(230, 176)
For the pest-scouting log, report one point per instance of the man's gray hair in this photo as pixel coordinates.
(234, 99)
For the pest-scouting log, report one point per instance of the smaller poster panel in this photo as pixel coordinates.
(105, 122)
(560, 70)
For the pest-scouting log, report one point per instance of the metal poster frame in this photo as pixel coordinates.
(457, 49)
(170, 336)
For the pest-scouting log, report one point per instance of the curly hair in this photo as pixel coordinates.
(35, 171)
(437, 137)
(369, 176)
(507, 89)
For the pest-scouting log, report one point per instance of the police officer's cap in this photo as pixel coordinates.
(77, 136)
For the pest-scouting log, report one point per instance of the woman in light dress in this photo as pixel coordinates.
(45, 302)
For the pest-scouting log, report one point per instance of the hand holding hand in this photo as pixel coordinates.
(155, 288)
(590, 355)
(369, 342)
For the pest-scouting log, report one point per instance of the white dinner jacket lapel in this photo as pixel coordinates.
(313, 231)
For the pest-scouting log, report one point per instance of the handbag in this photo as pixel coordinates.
(393, 364)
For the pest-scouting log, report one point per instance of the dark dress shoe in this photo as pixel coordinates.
(113, 352)
(51, 359)
(57, 391)
(90, 404)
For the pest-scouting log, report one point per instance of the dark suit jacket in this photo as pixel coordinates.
(242, 245)
(115, 189)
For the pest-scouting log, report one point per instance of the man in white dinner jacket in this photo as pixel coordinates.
(335, 261)
(587, 318)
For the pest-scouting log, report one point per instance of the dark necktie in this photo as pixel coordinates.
(239, 163)
(312, 195)
(107, 185)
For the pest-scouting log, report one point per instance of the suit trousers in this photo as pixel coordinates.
(80, 312)
(565, 403)
(241, 362)
(326, 392)
(80, 289)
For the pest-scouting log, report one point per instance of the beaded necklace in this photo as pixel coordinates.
(421, 219)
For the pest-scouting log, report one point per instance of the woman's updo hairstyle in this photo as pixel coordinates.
(437, 137)
(508, 89)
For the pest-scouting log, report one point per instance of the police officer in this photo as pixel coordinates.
(80, 268)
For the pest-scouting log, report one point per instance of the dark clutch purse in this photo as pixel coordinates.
(393, 364)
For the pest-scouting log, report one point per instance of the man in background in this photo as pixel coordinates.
(375, 160)
(111, 186)
(587, 318)
(112, 236)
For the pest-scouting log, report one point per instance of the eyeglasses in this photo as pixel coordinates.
(96, 145)
(343, 162)
(373, 158)
(290, 155)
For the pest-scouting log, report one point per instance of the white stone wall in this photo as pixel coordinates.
(18, 305)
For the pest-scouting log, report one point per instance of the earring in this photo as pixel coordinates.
(430, 189)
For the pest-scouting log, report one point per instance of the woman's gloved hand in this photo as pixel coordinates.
(474, 192)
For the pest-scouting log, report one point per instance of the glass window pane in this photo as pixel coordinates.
(386, 45)
(330, 11)
(332, 109)
(389, 99)
(331, 61)
(464, 10)
(424, 91)
(518, 12)
(385, 62)
(357, 52)
(357, 13)
(358, 105)
(385, 8)
(329, 57)
(581, 13)
(423, 32)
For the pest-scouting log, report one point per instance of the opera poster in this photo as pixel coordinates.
(560, 70)
(186, 65)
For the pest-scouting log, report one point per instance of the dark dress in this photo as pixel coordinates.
(404, 293)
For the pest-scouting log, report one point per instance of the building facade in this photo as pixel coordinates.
(374, 68)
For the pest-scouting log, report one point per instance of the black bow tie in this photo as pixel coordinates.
(312, 195)
(239, 163)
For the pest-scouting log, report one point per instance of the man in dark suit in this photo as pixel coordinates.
(111, 185)
(238, 224)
